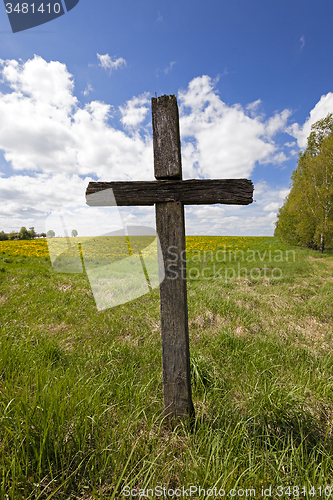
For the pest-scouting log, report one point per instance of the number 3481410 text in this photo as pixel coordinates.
(32, 8)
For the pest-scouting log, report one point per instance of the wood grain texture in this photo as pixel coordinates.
(177, 394)
(166, 139)
(170, 226)
(189, 192)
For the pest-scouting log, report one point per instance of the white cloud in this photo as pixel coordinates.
(272, 206)
(55, 145)
(48, 132)
(222, 141)
(260, 187)
(27, 199)
(252, 107)
(247, 223)
(107, 63)
(144, 216)
(49, 84)
(321, 110)
(225, 72)
(283, 193)
(88, 89)
(38, 192)
(277, 123)
(44, 130)
(238, 220)
(302, 40)
(169, 68)
(278, 158)
(134, 111)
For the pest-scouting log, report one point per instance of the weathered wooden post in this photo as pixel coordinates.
(170, 225)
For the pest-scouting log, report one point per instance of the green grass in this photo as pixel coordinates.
(81, 408)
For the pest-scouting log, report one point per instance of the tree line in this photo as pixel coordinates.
(306, 217)
(25, 234)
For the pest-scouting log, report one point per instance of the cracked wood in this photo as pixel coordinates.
(188, 192)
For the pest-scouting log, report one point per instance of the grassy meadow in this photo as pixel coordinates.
(81, 406)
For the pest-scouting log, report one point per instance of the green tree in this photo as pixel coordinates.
(3, 236)
(319, 131)
(32, 232)
(13, 235)
(307, 214)
(74, 233)
(286, 224)
(315, 182)
(50, 234)
(24, 234)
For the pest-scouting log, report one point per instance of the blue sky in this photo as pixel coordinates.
(250, 76)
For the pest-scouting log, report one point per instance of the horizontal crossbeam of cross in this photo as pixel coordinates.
(188, 192)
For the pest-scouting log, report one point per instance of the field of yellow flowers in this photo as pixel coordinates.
(28, 248)
(115, 247)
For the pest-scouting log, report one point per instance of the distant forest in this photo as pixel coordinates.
(23, 234)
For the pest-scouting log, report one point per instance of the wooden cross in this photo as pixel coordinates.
(169, 193)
